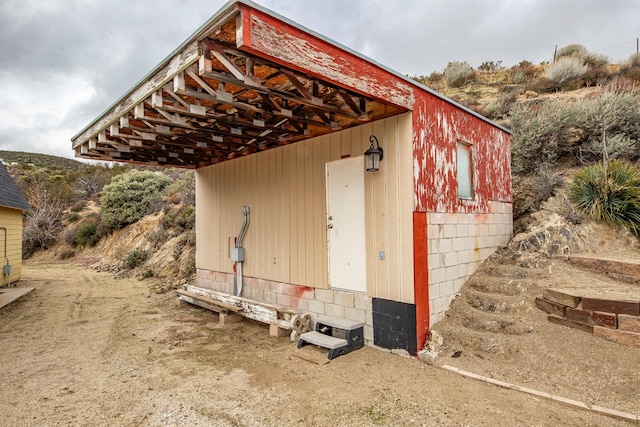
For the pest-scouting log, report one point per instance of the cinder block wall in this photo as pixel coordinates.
(307, 300)
(458, 244)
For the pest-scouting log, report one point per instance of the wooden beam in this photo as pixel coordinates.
(219, 54)
(297, 84)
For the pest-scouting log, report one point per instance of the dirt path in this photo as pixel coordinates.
(87, 349)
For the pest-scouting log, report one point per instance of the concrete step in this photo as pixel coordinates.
(507, 324)
(496, 285)
(497, 303)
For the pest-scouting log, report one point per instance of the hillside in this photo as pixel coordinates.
(41, 160)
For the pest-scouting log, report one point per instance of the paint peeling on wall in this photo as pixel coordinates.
(289, 45)
(442, 125)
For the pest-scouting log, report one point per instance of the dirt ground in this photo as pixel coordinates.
(85, 348)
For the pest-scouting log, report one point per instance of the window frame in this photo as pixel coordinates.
(470, 181)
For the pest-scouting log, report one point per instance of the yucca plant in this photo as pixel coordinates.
(610, 194)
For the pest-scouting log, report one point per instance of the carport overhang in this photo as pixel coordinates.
(247, 81)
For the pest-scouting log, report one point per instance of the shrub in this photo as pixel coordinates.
(544, 133)
(86, 234)
(566, 69)
(126, 199)
(631, 68)
(596, 75)
(135, 258)
(595, 59)
(490, 66)
(574, 50)
(614, 111)
(181, 218)
(536, 134)
(157, 237)
(183, 189)
(147, 273)
(70, 236)
(499, 108)
(73, 216)
(545, 182)
(612, 196)
(457, 73)
(79, 206)
(67, 254)
(634, 60)
(543, 85)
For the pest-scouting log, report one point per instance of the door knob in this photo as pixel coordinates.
(330, 225)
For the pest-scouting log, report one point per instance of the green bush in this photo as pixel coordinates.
(135, 258)
(616, 112)
(612, 196)
(457, 73)
(86, 234)
(180, 218)
(536, 134)
(126, 199)
(554, 129)
(566, 69)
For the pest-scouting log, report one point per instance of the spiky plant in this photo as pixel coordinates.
(612, 196)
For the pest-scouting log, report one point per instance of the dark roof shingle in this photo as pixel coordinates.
(10, 195)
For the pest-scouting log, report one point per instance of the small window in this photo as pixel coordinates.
(465, 171)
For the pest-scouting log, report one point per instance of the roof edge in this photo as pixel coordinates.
(227, 9)
(373, 61)
(230, 8)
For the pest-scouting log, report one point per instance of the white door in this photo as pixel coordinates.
(345, 222)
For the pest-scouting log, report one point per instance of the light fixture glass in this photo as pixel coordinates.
(373, 155)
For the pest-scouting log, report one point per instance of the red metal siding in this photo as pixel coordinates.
(438, 126)
(287, 45)
(421, 277)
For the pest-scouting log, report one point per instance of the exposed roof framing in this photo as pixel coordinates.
(213, 101)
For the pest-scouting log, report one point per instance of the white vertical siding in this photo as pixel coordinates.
(286, 188)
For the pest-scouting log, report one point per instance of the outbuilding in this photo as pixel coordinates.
(326, 183)
(12, 207)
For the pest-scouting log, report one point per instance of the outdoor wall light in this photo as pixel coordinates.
(373, 156)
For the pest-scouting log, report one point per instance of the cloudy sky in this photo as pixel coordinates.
(63, 62)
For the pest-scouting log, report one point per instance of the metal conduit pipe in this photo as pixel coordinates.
(6, 257)
(239, 250)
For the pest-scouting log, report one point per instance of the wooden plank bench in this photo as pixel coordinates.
(279, 319)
